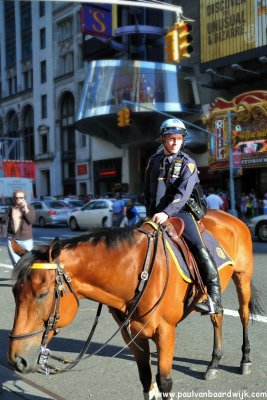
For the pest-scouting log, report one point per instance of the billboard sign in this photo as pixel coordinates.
(97, 20)
(231, 27)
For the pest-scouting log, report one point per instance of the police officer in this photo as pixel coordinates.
(171, 176)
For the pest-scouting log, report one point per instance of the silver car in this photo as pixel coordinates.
(96, 213)
(51, 212)
(258, 227)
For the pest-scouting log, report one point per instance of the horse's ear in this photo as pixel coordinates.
(17, 248)
(54, 250)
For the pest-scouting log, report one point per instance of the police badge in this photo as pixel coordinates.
(176, 169)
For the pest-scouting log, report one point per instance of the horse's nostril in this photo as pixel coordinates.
(21, 364)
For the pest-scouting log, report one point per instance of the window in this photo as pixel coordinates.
(65, 29)
(27, 79)
(10, 87)
(80, 57)
(41, 8)
(44, 144)
(82, 140)
(42, 39)
(66, 63)
(44, 106)
(43, 71)
(9, 10)
(26, 29)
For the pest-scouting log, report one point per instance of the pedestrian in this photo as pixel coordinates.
(19, 218)
(243, 205)
(131, 213)
(213, 201)
(172, 190)
(118, 210)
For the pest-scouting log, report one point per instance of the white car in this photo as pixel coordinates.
(258, 227)
(96, 213)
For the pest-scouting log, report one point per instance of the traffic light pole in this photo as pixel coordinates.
(158, 6)
(231, 165)
(233, 210)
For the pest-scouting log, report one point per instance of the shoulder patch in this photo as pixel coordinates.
(191, 167)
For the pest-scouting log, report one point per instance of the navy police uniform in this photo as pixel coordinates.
(180, 177)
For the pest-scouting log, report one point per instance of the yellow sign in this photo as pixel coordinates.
(231, 26)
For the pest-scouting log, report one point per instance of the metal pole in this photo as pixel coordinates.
(231, 165)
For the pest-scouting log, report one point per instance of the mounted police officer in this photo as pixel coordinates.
(171, 184)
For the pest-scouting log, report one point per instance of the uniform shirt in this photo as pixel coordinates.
(181, 179)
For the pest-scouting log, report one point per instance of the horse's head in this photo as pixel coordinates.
(42, 292)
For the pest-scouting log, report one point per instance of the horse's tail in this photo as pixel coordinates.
(255, 303)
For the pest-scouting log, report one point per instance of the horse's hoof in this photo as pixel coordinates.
(245, 368)
(211, 374)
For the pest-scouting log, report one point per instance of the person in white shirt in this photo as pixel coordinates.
(214, 201)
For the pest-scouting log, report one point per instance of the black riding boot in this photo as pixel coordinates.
(211, 278)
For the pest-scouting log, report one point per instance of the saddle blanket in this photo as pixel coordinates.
(220, 257)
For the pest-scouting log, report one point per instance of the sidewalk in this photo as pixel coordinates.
(14, 386)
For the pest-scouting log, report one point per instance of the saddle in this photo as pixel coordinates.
(174, 228)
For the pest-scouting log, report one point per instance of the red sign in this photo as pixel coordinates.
(108, 173)
(82, 169)
(19, 169)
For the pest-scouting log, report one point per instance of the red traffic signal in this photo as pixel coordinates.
(185, 38)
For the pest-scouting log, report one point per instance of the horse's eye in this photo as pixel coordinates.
(42, 296)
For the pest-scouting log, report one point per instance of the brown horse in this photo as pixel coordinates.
(105, 266)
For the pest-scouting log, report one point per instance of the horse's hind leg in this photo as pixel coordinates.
(212, 370)
(243, 287)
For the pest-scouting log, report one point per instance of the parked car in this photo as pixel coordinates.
(258, 227)
(51, 212)
(96, 213)
(75, 204)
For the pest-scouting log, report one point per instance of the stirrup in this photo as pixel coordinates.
(209, 306)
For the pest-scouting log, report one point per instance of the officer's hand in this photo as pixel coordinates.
(160, 218)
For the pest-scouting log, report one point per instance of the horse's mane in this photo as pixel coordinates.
(110, 236)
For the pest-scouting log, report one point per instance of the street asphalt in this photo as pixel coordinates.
(13, 385)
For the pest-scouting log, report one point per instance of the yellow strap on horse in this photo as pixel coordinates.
(44, 266)
(181, 272)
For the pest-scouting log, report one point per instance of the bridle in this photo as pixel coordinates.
(62, 280)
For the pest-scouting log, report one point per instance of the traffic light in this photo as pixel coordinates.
(120, 119)
(185, 39)
(124, 117)
(127, 116)
(171, 46)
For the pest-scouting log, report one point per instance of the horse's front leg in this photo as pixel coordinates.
(165, 345)
(212, 370)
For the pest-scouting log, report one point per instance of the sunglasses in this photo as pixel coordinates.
(19, 197)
